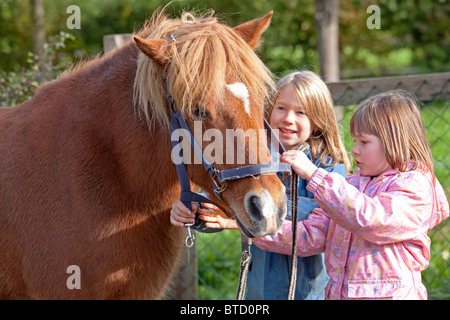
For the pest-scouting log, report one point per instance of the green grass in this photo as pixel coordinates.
(219, 256)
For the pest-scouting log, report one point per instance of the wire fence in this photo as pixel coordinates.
(210, 271)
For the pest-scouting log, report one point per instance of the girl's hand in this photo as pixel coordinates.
(180, 214)
(214, 218)
(300, 163)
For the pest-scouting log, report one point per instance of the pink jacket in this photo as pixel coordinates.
(373, 232)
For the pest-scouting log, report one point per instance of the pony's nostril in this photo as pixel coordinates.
(255, 208)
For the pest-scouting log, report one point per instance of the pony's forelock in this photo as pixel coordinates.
(204, 54)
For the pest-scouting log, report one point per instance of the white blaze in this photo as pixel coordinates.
(239, 90)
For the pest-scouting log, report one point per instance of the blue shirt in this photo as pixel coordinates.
(268, 277)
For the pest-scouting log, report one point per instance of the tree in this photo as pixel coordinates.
(38, 29)
(413, 38)
(327, 20)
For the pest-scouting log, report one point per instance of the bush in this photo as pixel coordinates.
(16, 87)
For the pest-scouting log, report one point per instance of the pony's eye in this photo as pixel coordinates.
(200, 113)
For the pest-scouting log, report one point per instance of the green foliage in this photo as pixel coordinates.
(413, 38)
(16, 87)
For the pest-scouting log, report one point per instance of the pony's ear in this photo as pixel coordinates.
(251, 31)
(152, 48)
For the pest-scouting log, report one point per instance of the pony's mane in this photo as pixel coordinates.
(203, 54)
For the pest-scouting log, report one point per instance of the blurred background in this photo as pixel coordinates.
(413, 37)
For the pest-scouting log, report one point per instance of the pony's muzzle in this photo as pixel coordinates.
(265, 217)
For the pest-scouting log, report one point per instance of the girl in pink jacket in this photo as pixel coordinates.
(373, 225)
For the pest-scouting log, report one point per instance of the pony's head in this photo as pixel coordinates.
(220, 85)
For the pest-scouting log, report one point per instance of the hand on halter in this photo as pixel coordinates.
(214, 217)
(299, 163)
(180, 214)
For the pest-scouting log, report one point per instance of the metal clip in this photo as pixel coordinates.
(190, 238)
(171, 37)
(219, 186)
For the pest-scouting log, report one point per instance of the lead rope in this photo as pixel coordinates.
(245, 264)
(294, 202)
(246, 254)
(294, 219)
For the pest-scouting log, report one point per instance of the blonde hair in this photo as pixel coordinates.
(395, 118)
(203, 55)
(316, 98)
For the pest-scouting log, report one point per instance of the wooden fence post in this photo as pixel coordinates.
(112, 41)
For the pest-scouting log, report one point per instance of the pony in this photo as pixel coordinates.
(86, 173)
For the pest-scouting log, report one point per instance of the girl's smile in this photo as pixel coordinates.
(289, 117)
(286, 132)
